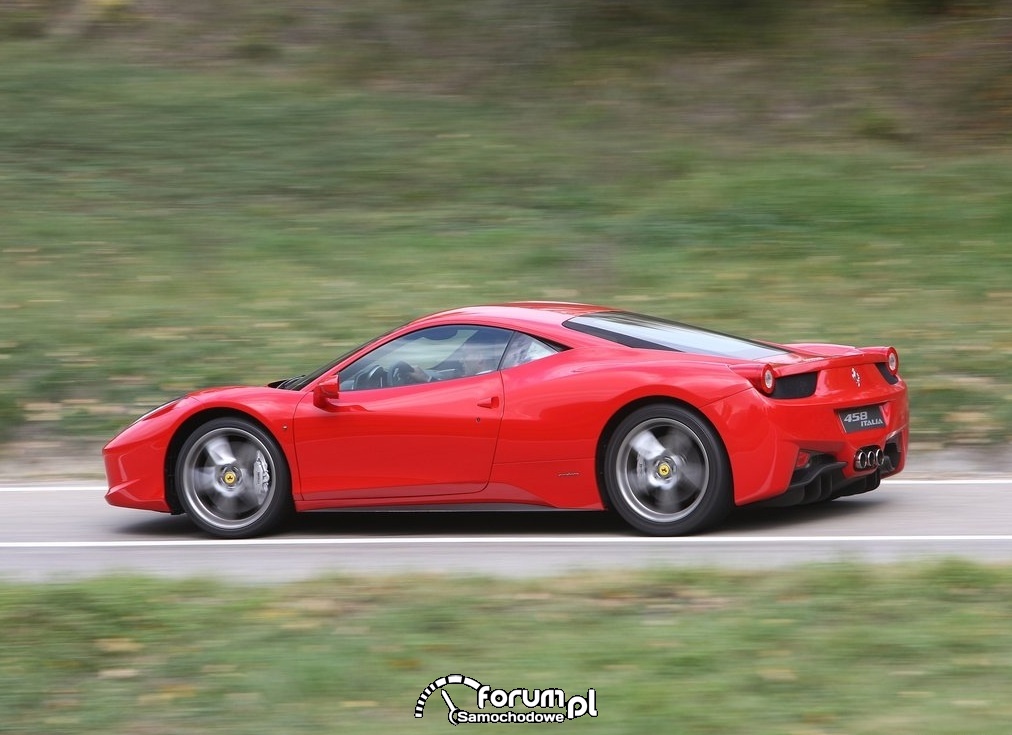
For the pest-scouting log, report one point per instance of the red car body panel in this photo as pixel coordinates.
(406, 442)
(528, 434)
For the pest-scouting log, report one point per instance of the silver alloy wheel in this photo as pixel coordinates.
(662, 470)
(228, 478)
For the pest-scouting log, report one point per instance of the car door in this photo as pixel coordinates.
(385, 436)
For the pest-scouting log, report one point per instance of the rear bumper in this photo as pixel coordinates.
(824, 478)
(799, 448)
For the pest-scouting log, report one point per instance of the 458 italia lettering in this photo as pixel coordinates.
(863, 419)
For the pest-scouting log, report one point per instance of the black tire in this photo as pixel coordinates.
(232, 479)
(666, 472)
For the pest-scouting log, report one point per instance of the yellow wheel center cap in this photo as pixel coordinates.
(664, 469)
(230, 477)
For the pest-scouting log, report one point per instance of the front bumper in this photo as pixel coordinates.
(135, 462)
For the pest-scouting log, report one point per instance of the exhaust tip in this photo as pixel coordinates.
(869, 459)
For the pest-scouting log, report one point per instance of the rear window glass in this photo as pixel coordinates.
(652, 333)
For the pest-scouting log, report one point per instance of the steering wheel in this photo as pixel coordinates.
(403, 374)
(375, 378)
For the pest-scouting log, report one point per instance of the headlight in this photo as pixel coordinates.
(155, 412)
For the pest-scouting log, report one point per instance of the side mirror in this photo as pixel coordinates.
(326, 391)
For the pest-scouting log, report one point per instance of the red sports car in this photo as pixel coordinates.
(545, 404)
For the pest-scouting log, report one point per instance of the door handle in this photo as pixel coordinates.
(492, 402)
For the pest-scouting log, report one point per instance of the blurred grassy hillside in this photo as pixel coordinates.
(198, 193)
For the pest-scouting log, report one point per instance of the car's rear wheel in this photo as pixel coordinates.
(232, 479)
(666, 471)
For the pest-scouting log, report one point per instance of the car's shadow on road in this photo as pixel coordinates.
(162, 527)
(457, 523)
(379, 523)
(554, 522)
(387, 522)
(795, 519)
(393, 523)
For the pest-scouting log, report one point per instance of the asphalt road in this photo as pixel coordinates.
(63, 531)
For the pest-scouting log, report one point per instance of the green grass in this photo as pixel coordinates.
(829, 649)
(167, 227)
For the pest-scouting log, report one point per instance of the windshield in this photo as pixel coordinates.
(652, 333)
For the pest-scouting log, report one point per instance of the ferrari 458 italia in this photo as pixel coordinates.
(540, 404)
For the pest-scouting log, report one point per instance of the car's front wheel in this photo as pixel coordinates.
(232, 479)
(666, 471)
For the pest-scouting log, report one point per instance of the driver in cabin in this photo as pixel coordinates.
(476, 358)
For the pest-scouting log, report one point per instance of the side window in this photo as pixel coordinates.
(524, 348)
(428, 355)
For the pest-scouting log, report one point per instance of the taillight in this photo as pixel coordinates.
(762, 378)
(893, 361)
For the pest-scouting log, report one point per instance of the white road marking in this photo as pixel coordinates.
(952, 481)
(509, 540)
(55, 488)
